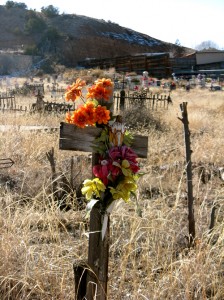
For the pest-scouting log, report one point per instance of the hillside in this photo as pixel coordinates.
(70, 38)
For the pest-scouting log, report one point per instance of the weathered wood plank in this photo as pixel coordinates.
(79, 139)
(140, 145)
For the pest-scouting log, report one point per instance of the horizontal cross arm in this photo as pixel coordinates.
(81, 139)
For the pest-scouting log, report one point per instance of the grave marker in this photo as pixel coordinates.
(78, 139)
(91, 277)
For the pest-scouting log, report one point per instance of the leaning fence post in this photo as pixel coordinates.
(188, 151)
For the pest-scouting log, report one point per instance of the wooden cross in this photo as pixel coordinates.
(91, 277)
(40, 102)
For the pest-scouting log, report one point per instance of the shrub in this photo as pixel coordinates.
(12, 4)
(50, 11)
(17, 31)
(34, 25)
(31, 50)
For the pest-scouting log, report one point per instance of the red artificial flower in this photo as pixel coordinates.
(101, 171)
(106, 171)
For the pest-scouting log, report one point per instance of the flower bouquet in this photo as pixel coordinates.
(115, 168)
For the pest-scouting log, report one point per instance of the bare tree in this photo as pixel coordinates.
(207, 45)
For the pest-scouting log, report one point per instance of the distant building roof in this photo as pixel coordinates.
(151, 54)
(209, 51)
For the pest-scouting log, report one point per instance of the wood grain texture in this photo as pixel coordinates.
(81, 139)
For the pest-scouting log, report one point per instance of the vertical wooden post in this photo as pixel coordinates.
(51, 159)
(212, 218)
(98, 252)
(122, 95)
(153, 101)
(98, 256)
(122, 99)
(80, 273)
(188, 152)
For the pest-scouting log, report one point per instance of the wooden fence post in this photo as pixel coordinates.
(188, 151)
(122, 99)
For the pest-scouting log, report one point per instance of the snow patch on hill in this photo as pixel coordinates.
(133, 38)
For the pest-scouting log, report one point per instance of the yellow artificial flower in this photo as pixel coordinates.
(93, 187)
(125, 167)
(124, 189)
(128, 185)
(117, 194)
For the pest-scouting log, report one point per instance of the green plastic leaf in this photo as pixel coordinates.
(128, 138)
(100, 144)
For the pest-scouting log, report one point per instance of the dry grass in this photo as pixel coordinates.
(149, 257)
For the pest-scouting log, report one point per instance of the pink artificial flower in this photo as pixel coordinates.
(115, 153)
(128, 153)
(131, 157)
(120, 153)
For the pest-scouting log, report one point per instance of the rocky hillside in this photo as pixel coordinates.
(69, 38)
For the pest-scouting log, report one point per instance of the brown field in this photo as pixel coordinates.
(149, 254)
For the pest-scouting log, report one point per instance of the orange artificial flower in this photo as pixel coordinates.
(102, 114)
(106, 83)
(80, 117)
(90, 110)
(103, 89)
(75, 90)
(95, 92)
